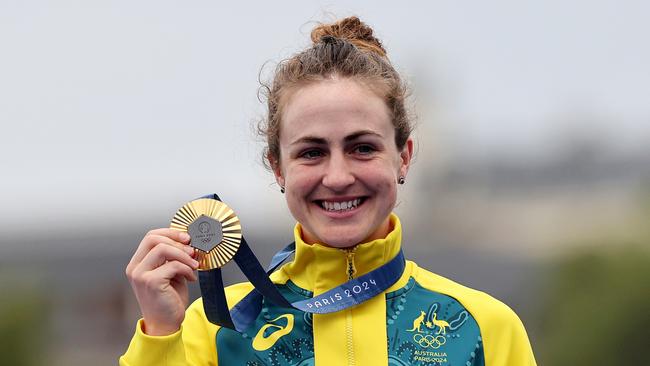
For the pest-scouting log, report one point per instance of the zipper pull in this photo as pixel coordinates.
(350, 259)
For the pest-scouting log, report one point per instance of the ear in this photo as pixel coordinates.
(405, 157)
(277, 171)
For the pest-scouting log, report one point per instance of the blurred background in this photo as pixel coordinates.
(532, 179)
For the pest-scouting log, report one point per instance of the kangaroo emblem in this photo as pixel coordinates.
(417, 323)
(439, 323)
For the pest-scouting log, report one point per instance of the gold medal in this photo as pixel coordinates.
(214, 228)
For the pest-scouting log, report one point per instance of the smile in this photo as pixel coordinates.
(341, 205)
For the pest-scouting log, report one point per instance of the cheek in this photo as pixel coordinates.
(381, 178)
(300, 183)
(301, 177)
(382, 171)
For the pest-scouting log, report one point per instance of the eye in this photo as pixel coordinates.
(364, 149)
(311, 154)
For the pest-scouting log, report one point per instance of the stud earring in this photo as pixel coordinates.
(401, 179)
(282, 189)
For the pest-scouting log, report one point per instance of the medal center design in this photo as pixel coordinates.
(206, 233)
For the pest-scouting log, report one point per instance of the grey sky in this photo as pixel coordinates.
(118, 110)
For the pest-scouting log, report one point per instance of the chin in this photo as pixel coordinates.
(341, 243)
(342, 239)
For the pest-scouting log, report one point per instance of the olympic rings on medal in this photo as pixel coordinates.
(429, 340)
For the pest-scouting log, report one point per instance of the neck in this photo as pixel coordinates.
(318, 267)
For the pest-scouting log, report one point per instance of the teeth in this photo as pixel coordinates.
(340, 206)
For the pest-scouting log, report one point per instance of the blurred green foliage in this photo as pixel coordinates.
(597, 309)
(23, 316)
(597, 303)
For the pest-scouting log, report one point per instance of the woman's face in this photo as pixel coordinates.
(339, 163)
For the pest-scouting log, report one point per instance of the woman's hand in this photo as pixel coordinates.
(158, 272)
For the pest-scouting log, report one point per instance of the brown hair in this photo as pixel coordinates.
(348, 49)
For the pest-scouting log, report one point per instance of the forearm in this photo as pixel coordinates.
(145, 350)
(193, 345)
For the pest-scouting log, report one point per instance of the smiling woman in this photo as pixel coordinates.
(338, 144)
(339, 163)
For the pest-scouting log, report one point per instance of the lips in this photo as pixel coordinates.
(340, 205)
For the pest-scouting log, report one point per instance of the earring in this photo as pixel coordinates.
(282, 189)
(401, 179)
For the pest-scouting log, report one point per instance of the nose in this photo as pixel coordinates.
(338, 173)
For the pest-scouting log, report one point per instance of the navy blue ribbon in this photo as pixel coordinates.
(244, 313)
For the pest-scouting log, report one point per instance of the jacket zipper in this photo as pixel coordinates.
(348, 319)
(350, 260)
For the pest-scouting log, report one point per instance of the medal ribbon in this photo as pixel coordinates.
(244, 313)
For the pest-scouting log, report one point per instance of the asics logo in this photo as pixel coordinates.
(262, 342)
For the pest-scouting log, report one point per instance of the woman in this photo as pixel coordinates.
(339, 144)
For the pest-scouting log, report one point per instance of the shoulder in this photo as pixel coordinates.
(488, 311)
(503, 334)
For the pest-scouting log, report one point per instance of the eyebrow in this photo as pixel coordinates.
(360, 134)
(322, 141)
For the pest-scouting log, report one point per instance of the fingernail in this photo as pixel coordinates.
(188, 249)
(184, 236)
(196, 263)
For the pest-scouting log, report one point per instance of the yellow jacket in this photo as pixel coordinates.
(422, 319)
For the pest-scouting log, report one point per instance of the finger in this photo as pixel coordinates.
(161, 254)
(152, 239)
(177, 235)
(174, 270)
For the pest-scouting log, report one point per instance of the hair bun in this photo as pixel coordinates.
(352, 30)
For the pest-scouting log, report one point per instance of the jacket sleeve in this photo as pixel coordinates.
(193, 345)
(504, 338)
